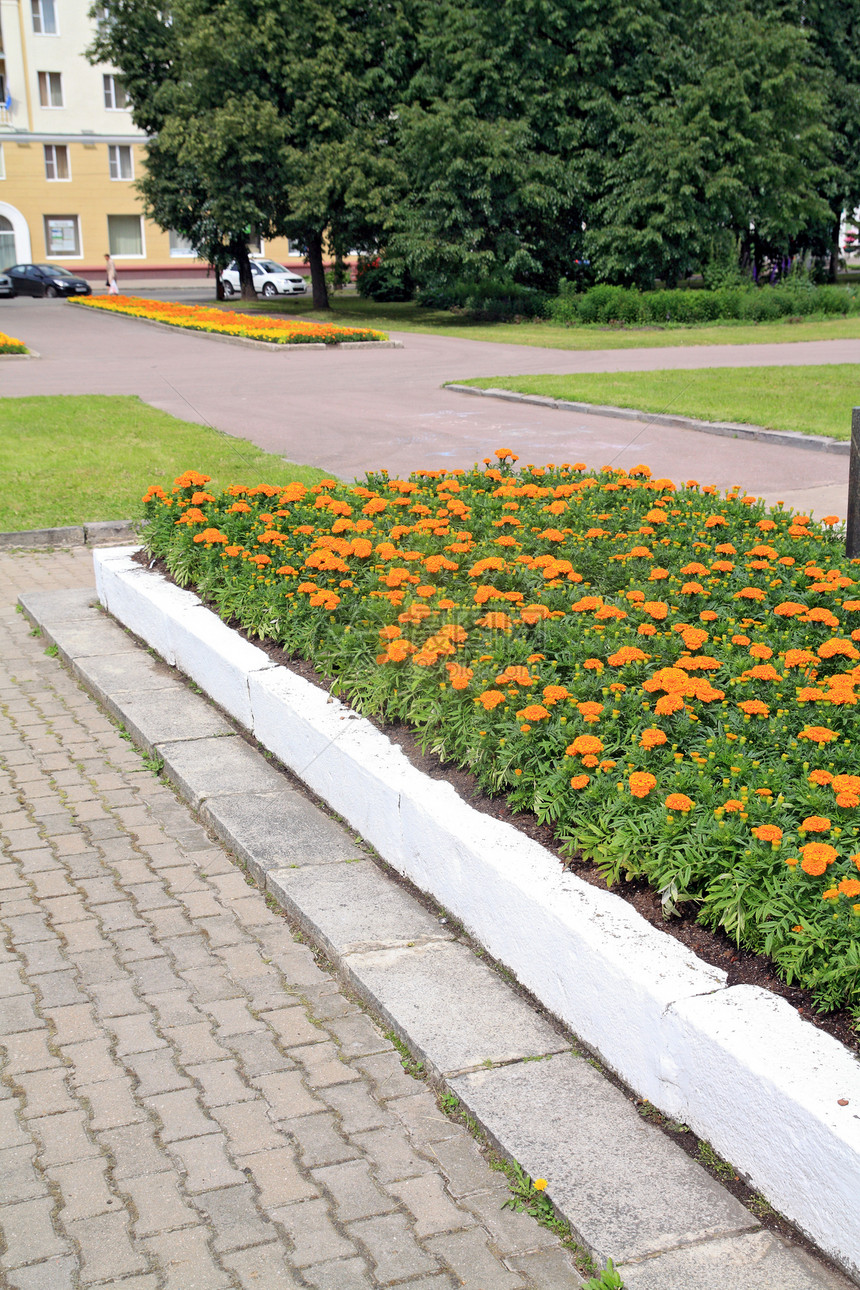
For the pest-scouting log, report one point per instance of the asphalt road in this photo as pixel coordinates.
(351, 411)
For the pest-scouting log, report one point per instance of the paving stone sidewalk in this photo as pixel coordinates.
(188, 1102)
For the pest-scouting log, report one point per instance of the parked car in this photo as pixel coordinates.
(270, 279)
(46, 280)
(6, 288)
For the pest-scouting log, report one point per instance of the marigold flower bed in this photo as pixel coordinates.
(668, 675)
(9, 345)
(224, 323)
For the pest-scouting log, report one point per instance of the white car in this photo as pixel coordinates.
(270, 279)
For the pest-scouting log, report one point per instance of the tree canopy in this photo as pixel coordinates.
(506, 139)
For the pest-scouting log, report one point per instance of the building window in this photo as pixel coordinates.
(120, 161)
(57, 161)
(7, 241)
(125, 235)
(180, 246)
(44, 17)
(50, 89)
(62, 235)
(116, 99)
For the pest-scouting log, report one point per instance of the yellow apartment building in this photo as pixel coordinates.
(69, 153)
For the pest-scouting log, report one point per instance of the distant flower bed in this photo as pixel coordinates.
(667, 675)
(225, 323)
(9, 345)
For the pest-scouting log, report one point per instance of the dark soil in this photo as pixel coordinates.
(742, 966)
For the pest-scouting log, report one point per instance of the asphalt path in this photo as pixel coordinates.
(349, 411)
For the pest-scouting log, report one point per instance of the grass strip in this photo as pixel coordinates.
(72, 459)
(666, 675)
(808, 400)
(349, 309)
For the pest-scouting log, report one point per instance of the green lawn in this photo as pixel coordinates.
(812, 400)
(349, 309)
(75, 459)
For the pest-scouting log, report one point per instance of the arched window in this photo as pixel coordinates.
(7, 243)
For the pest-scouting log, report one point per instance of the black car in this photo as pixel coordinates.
(46, 280)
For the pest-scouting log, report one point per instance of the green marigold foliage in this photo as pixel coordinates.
(665, 674)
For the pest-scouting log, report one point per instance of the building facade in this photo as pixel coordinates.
(69, 152)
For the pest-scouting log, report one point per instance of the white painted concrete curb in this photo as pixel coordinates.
(736, 1064)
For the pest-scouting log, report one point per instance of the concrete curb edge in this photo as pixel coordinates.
(724, 429)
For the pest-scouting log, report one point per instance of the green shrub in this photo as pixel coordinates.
(380, 280)
(795, 296)
(490, 300)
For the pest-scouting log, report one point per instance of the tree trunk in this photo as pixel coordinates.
(219, 285)
(315, 260)
(833, 267)
(239, 251)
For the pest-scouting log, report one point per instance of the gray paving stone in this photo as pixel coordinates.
(392, 1247)
(206, 768)
(59, 606)
(549, 1269)
(93, 635)
(262, 1266)
(624, 1187)
(276, 829)
(53, 1274)
(755, 1261)
(123, 669)
(167, 715)
(312, 1234)
(353, 907)
(473, 1262)
(355, 1193)
(453, 1010)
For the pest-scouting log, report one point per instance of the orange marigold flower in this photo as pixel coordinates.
(555, 693)
(489, 699)
(798, 657)
(593, 665)
(821, 777)
(767, 833)
(838, 647)
(459, 676)
(584, 745)
(591, 711)
(667, 704)
(814, 824)
(679, 802)
(732, 806)
(646, 629)
(816, 857)
(749, 593)
(850, 887)
(534, 712)
(657, 609)
(497, 622)
(818, 734)
(641, 783)
(579, 781)
(532, 614)
(761, 651)
(754, 708)
(627, 654)
(843, 783)
(653, 737)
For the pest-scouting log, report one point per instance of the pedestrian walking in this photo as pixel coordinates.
(110, 275)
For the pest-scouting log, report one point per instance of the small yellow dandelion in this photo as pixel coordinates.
(539, 1184)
